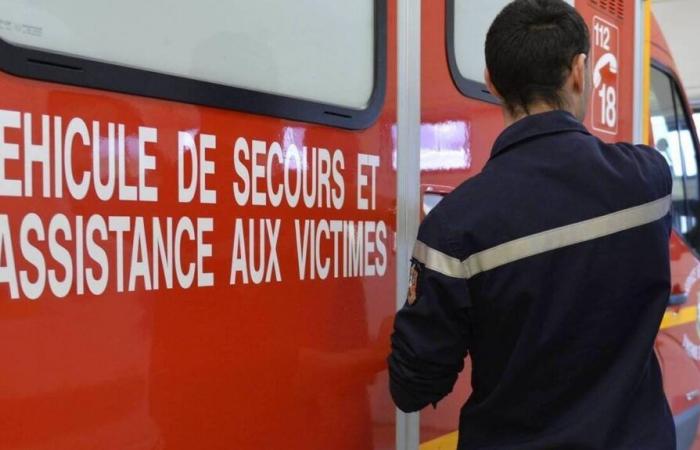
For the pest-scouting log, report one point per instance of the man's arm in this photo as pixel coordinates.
(432, 330)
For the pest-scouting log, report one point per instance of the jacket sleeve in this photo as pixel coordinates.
(431, 331)
(664, 175)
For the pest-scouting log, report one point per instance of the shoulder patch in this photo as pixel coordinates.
(412, 296)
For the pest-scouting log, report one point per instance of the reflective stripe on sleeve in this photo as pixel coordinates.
(542, 242)
(439, 262)
(567, 235)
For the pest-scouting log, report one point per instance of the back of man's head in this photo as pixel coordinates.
(530, 49)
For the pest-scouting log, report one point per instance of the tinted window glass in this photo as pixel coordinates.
(313, 50)
(472, 19)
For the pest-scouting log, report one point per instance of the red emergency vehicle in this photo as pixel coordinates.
(207, 211)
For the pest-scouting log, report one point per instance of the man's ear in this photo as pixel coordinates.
(489, 85)
(578, 73)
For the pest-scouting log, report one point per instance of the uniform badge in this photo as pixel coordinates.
(413, 284)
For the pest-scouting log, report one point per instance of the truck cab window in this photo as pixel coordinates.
(673, 138)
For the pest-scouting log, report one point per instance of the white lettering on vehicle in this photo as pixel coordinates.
(108, 233)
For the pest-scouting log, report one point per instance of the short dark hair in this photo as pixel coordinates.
(530, 47)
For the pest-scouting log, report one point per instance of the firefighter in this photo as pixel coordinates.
(550, 267)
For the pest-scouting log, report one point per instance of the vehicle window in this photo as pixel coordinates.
(689, 220)
(472, 19)
(319, 51)
(674, 139)
(467, 24)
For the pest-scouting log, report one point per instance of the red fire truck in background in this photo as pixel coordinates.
(206, 211)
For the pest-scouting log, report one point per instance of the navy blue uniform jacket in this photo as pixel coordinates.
(551, 269)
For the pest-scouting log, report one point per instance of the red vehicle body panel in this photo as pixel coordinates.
(293, 364)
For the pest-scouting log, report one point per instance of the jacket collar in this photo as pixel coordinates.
(529, 127)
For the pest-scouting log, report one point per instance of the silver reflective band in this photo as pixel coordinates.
(439, 262)
(567, 235)
(543, 242)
